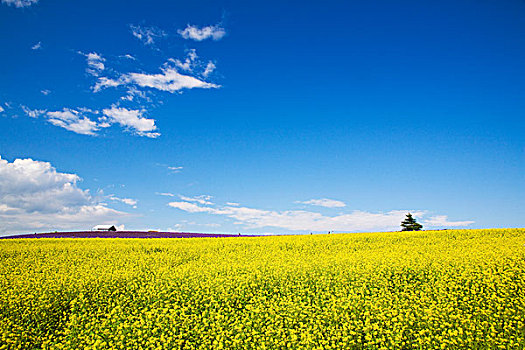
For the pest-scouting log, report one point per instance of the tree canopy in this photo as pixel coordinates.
(410, 224)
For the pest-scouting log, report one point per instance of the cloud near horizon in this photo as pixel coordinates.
(324, 202)
(442, 221)
(34, 196)
(302, 220)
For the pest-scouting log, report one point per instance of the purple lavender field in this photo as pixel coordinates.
(119, 234)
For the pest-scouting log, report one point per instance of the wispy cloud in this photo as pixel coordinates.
(190, 225)
(169, 80)
(442, 221)
(300, 220)
(202, 199)
(191, 207)
(133, 94)
(33, 113)
(189, 63)
(192, 32)
(132, 120)
(303, 220)
(95, 63)
(45, 92)
(128, 201)
(1, 109)
(105, 82)
(324, 202)
(139, 87)
(210, 67)
(166, 194)
(74, 121)
(175, 169)
(19, 3)
(77, 120)
(35, 196)
(147, 35)
(37, 46)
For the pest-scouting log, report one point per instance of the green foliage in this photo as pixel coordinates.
(410, 224)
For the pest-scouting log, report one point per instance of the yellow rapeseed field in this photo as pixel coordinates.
(450, 289)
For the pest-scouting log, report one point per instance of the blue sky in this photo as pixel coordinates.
(261, 117)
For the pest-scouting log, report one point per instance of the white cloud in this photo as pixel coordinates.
(1, 109)
(233, 204)
(215, 32)
(20, 3)
(210, 67)
(134, 93)
(128, 201)
(45, 92)
(442, 221)
(188, 63)
(95, 63)
(73, 120)
(133, 120)
(37, 46)
(104, 82)
(34, 196)
(175, 228)
(325, 202)
(192, 62)
(190, 207)
(175, 169)
(87, 110)
(189, 225)
(128, 56)
(76, 120)
(169, 80)
(202, 199)
(303, 220)
(167, 194)
(33, 113)
(147, 35)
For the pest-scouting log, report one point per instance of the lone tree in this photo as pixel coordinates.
(410, 224)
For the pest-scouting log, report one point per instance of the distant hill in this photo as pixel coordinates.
(119, 234)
